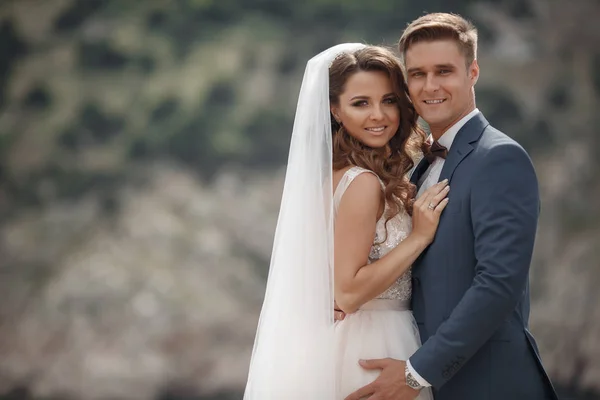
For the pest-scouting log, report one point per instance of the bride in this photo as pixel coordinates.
(348, 231)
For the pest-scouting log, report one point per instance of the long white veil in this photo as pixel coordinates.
(293, 355)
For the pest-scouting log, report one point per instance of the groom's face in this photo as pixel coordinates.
(439, 83)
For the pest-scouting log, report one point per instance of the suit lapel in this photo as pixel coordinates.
(462, 145)
(419, 171)
(460, 149)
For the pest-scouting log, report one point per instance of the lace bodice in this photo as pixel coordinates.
(398, 229)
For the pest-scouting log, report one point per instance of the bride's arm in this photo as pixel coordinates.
(357, 282)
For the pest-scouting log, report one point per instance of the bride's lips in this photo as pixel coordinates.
(377, 131)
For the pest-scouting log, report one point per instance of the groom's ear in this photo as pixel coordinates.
(474, 72)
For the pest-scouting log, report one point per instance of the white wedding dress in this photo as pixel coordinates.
(383, 327)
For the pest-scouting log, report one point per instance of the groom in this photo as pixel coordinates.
(470, 288)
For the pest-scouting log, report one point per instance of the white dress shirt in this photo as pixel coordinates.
(430, 178)
(432, 174)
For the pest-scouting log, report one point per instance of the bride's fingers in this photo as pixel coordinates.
(440, 196)
(339, 315)
(438, 187)
(426, 199)
(430, 192)
(421, 200)
(426, 196)
(440, 207)
(418, 201)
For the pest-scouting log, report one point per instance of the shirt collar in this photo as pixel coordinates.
(447, 138)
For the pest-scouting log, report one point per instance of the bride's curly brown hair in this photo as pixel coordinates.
(393, 162)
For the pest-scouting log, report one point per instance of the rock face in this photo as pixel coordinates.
(161, 293)
(141, 149)
(166, 292)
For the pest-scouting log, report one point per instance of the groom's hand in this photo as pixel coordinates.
(390, 385)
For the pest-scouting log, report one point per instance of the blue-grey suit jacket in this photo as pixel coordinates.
(471, 286)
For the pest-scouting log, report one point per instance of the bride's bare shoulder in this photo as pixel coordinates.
(362, 190)
(339, 174)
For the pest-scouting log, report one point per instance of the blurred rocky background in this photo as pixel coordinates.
(142, 146)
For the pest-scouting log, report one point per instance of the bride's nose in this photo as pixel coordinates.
(376, 113)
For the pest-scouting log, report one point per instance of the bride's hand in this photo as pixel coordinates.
(428, 209)
(338, 314)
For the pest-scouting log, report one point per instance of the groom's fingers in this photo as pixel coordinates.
(361, 393)
(375, 363)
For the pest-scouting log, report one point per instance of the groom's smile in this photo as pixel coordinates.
(439, 83)
(432, 102)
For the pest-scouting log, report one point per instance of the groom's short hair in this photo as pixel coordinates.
(441, 26)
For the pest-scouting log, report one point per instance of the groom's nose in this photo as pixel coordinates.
(431, 83)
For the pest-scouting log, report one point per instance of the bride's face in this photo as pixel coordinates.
(368, 108)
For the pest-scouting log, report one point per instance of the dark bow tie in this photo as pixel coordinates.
(436, 150)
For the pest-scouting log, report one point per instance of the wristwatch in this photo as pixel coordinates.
(411, 381)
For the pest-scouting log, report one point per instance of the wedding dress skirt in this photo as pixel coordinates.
(381, 328)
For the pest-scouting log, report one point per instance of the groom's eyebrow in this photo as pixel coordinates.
(437, 66)
(414, 69)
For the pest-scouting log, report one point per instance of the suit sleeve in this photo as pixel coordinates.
(504, 213)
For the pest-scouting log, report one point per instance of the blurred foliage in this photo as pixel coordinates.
(91, 88)
(98, 84)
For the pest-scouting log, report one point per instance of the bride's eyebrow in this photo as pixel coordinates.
(362, 97)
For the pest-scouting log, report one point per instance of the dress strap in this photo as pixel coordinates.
(345, 182)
